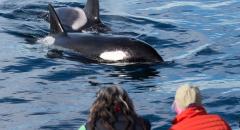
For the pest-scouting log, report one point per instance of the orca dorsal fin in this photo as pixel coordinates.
(55, 23)
(91, 10)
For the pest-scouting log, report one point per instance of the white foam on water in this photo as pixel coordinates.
(113, 55)
(48, 40)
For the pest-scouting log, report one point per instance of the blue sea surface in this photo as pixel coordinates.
(200, 41)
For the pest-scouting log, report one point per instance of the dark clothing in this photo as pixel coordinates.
(196, 118)
(121, 124)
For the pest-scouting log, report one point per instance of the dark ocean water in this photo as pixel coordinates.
(198, 39)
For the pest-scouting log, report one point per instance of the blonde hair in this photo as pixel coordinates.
(187, 95)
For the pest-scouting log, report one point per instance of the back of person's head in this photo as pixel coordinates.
(187, 95)
(114, 99)
(111, 101)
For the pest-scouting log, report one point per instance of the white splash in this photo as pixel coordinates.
(113, 55)
(48, 40)
(81, 20)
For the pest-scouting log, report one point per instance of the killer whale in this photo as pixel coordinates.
(76, 19)
(102, 48)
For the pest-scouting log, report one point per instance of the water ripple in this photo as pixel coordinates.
(202, 5)
(66, 75)
(12, 100)
(28, 64)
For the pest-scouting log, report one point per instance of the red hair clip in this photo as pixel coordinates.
(117, 108)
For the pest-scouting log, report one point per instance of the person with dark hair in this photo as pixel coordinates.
(114, 110)
(191, 115)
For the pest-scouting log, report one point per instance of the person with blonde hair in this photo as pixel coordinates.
(191, 114)
(114, 110)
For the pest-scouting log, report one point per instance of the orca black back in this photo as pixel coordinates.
(103, 48)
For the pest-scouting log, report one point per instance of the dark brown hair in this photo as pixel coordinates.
(108, 101)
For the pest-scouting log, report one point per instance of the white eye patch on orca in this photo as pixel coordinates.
(48, 40)
(81, 19)
(113, 55)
